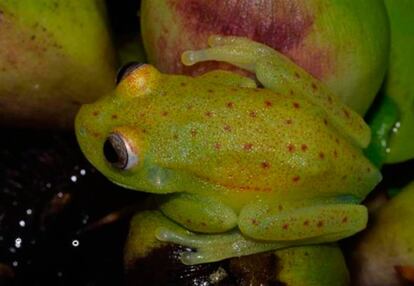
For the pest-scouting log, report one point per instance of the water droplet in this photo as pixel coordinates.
(83, 172)
(22, 223)
(18, 242)
(29, 211)
(73, 179)
(75, 243)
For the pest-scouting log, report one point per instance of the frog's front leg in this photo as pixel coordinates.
(198, 213)
(215, 247)
(278, 73)
(308, 222)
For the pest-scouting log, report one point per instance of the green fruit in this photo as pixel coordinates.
(317, 265)
(399, 81)
(385, 251)
(54, 56)
(344, 43)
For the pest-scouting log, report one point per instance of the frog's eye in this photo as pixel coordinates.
(119, 153)
(126, 70)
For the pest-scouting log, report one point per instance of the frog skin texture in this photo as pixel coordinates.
(241, 169)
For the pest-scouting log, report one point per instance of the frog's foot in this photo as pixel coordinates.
(278, 73)
(238, 51)
(214, 247)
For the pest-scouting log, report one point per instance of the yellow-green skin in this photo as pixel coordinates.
(253, 169)
(54, 56)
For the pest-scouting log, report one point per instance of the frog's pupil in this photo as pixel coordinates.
(115, 151)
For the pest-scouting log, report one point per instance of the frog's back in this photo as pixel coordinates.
(253, 140)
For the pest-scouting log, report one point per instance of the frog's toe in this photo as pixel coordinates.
(198, 257)
(183, 237)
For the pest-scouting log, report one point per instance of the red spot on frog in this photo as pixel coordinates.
(320, 223)
(291, 148)
(96, 134)
(253, 114)
(296, 105)
(321, 155)
(217, 146)
(193, 132)
(254, 221)
(346, 113)
(304, 147)
(248, 147)
(285, 226)
(230, 104)
(296, 179)
(227, 128)
(345, 220)
(268, 103)
(114, 116)
(95, 113)
(265, 165)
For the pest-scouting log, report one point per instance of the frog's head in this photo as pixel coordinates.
(110, 133)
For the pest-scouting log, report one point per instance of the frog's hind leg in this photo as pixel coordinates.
(240, 52)
(278, 73)
(308, 222)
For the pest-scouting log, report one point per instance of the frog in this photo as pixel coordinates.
(236, 165)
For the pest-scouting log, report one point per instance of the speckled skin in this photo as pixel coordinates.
(243, 163)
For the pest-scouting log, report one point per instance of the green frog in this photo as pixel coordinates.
(240, 166)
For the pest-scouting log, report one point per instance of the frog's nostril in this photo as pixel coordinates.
(126, 70)
(118, 152)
